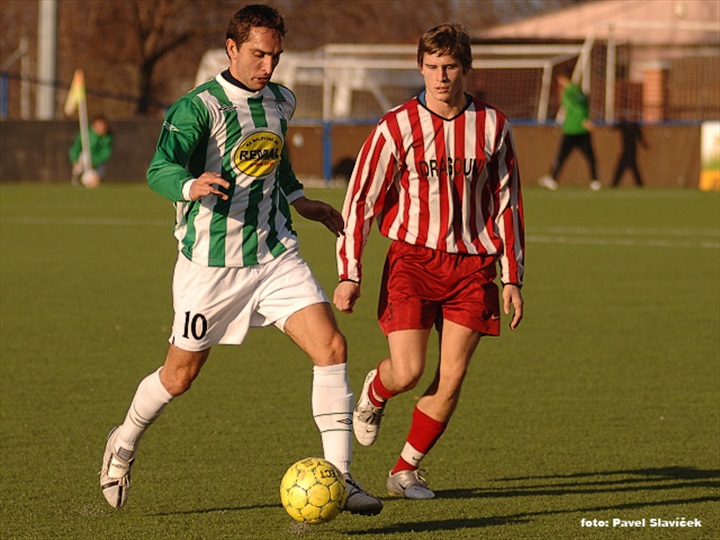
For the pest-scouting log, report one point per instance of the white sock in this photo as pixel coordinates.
(149, 401)
(332, 406)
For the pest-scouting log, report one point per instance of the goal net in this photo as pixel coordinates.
(651, 72)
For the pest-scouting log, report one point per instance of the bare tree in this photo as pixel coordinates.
(162, 27)
(140, 55)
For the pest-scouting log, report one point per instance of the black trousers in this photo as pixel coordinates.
(567, 144)
(627, 161)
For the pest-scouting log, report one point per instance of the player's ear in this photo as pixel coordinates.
(231, 48)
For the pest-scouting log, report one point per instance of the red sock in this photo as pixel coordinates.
(424, 433)
(378, 394)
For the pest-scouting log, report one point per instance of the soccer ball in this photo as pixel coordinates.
(90, 179)
(313, 491)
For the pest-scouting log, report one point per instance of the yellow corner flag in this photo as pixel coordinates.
(76, 102)
(76, 94)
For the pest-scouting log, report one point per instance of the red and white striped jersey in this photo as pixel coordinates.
(450, 185)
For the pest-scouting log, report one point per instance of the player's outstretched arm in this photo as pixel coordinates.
(346, 294)
(321, 212)
(512, 298)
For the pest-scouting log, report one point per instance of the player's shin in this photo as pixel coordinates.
(332, 404)
(424, 433)
(147, 404)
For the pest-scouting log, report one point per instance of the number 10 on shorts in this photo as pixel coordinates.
(195, 326)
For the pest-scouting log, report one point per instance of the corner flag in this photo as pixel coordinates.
(76, 102)
(76, 94)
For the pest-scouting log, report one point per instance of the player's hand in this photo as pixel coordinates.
(321, 212)
(208, 183)
(346, 294)
(513, 298)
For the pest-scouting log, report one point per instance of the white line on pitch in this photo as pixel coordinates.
(626, 242)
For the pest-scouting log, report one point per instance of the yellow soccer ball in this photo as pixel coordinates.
(313, 491)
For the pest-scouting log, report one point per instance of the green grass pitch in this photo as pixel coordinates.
(604, 405)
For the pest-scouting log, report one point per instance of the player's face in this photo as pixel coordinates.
(444, 78)
(253, 62)
(100, 127)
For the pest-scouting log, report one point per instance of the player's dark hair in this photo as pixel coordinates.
(446, 39)
(254, 16)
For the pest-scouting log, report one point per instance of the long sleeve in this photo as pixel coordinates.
(369, 182)
(510, 221)
(290, 185)
(102, 149)
(75, 149)
(178, 156)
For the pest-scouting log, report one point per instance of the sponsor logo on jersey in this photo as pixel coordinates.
(451, 167)
(258, 154)
(167, 125)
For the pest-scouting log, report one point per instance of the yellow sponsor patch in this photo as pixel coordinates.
(258, 154)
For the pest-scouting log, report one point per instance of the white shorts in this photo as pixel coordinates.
(219, 305)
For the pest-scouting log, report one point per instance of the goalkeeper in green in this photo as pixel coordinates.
(221, 160)
(101, 149)
(576, 132)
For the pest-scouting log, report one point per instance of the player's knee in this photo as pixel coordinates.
(336, 352)
(405, 378)
(330, 351)
(407, 383)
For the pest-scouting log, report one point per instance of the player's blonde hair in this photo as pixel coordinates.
(447, 39)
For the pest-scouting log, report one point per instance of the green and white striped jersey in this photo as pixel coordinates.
(224, 128)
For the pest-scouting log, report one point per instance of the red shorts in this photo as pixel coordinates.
(421, 287)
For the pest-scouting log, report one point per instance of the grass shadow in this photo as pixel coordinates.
(597, 484)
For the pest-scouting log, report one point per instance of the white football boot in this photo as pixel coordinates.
(115, 472)
(408, 484)
(366, 416)
(548, 182)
